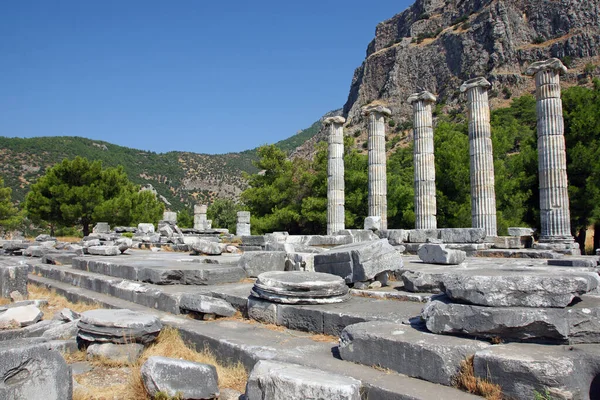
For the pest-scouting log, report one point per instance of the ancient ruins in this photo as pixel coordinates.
(407, 309)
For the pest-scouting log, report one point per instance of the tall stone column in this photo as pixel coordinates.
(552, 158)
(200, 216)
(424, 160)
(377, 162)
(335, 175)
(483, 192)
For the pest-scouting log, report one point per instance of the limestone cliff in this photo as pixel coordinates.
(435, 45)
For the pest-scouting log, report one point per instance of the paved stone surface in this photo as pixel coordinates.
(30, 370)
(589, 262)
(505, 288)
(118, 326)
(567, 372)
(359, 261)
(172, 376)
(402, 348)
(165, 268)
(274, 380)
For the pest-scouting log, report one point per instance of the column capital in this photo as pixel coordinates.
(376, 108)
(552, 64)
(475, 82)
(334, 120)
(424, 96)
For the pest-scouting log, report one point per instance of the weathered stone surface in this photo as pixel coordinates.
(397, 236)
(101, 227)
(273, 380)
(171, 376)
(13, 277)
(127, 353)
(118, 326)
(123, 244)
(257, 262)
(64, 331)
(373, 223)
(575, 262)
(507, 242)
(67, 315)
(262, 310)
(145, 229)
(402, 348)
(439, 254)
(377, 178)
(62, 258)
(104, 250)
(201, 246)
(299, 287)
(12, 246)
(576, 324)
(359, 261)
(358, 235)
(520, 232)
(31, 370)
(420, 281)
(45, 238)
(206, 305)
(524, 369)
(23, 316)
(505, 288)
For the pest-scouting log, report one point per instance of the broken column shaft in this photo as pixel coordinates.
(424, 160)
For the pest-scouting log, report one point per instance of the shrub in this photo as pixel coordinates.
(589, 69)
(538, 40)
(506, 92)
(423, 16)
(391, 123)
(567, 60)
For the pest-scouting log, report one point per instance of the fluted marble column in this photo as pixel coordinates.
(377, 162)
(483, 193)
(552, 158)
(424, 160)
(335, 175)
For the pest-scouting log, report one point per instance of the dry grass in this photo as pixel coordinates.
(4, 300)
(69, 239)
(170, 344)
(56, 302)
(77, 356)
(322, 338)
(467, 381)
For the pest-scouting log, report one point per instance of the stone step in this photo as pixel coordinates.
(329, 319)
(248, 343)
(165, 268)
(407, 349)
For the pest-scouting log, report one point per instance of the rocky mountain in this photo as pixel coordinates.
(436, 45)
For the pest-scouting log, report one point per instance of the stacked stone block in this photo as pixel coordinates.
(243, 223)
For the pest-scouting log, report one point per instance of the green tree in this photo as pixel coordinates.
(10, 217)
(185, 219)
(80, 192)
(223, 213)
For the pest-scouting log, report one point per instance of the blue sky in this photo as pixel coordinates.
(201, 76)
